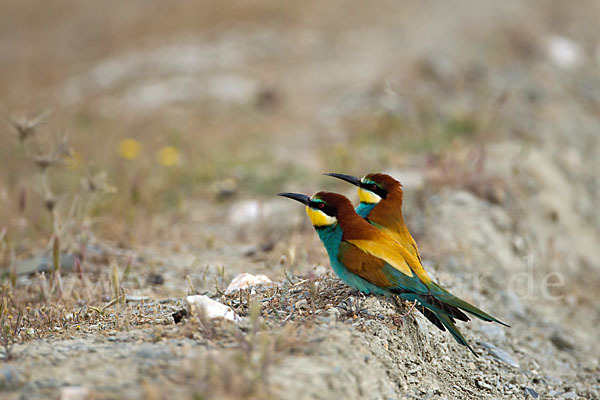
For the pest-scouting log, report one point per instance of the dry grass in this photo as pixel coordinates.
(277, 323)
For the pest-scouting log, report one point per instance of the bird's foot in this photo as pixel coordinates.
(412, 307)
(398, 318)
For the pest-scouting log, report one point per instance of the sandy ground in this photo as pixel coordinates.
(488, 114)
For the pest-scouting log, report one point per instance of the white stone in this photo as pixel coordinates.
(320, 270)
(565, 52)
(275, 211)
(74, 393)
(246, 280)
(245, 211)
(210, 308)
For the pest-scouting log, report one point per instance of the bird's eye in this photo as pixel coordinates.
(372, 187)
(321, 205)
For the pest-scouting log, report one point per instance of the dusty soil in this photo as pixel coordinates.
(488, 119)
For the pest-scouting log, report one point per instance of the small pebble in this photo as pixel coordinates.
(320, 270)
(531, 392)
(74, 393)
(561, 342)
(136, 299)
(334, 314)
(212, 309)
(10, 378)
(480, 383)
(500, 354)
(301, 304)
(246, 280)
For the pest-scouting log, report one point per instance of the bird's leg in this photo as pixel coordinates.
(397, 318)
(397, 300)
(412, 307)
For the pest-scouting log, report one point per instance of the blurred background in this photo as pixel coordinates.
(171, 102)
(156, 134)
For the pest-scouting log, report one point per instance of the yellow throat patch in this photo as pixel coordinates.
(319, 218)
(368, 197)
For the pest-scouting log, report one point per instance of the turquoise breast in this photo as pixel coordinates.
(331, 236)
(363, 209)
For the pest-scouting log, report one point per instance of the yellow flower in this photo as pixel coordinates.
(169, 156)
(129, 149)
(74, 160)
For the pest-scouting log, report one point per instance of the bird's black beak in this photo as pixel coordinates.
(302, 198)
(348, 178)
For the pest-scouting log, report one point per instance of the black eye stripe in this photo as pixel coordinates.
(319, 205)
(375, 189)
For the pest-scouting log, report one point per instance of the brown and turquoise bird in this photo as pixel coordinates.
(369, 260)
(381, 198)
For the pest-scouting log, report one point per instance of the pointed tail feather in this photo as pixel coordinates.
(450, 310)
(448, 298)
(445, 319)
(434, 303)
(438, 317)
(432, 318)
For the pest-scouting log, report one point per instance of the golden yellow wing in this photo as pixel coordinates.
(383, 247)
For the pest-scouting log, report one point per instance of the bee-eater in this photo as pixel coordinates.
(367, 259)
(380, 204)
